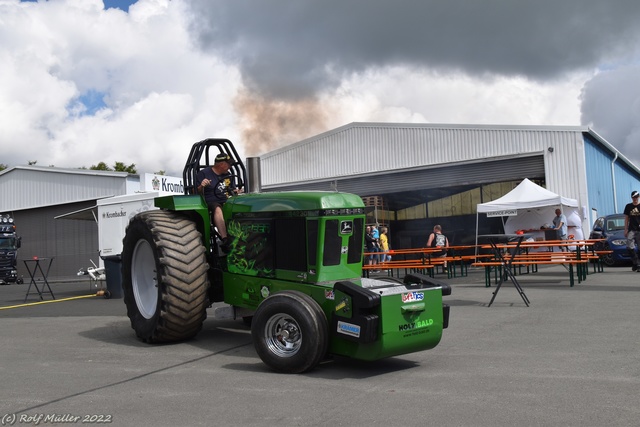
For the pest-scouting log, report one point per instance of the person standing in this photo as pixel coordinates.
(384, 245)
(370, 245)
(438, 240)
(376, 237)
(560, 225)
(632, 228)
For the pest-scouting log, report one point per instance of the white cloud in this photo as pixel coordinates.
(162, 94)
(167, 82)
(401, 94)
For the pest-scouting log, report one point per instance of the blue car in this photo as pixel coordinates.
(611, 227)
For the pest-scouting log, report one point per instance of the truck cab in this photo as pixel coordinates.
(9, 245)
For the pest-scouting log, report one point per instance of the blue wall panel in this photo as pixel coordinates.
(626, 182)
(603, 180)
(599, 178)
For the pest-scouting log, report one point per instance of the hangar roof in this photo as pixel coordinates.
(360, 149)
(408, 163)
(26, 187)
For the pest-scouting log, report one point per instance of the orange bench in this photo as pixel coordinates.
(393, 266)
(497, 265)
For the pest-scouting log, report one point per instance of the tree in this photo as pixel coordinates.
(3, 166)
(102, 166)
(117, 166)
(121, 167)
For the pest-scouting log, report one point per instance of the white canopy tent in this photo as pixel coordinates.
(529, 207)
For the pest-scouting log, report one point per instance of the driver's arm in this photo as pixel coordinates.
(201, 182)
(234, 188)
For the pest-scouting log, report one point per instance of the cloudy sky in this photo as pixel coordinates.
(84, 81)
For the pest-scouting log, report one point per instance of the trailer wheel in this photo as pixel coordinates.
(290, 332)
(164, 276)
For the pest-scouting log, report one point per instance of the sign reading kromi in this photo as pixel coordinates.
(165, 185)
(508, 212)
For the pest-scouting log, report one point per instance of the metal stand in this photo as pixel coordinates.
(494, 240)
(32, 273)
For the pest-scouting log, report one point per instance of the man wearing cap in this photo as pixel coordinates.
(632, 228)
(560, 225)
(214, 183)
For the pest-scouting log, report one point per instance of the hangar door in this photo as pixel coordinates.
(385, 182)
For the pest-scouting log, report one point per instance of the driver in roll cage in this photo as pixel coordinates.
(216, 184)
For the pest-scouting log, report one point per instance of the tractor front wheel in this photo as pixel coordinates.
(164, 276)
(290, 332)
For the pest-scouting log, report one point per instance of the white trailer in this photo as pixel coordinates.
(114, 214)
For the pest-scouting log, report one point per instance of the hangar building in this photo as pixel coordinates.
(419, 175)
(411, 176)
(35, 195)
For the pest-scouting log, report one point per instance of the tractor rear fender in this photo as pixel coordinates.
(194, 206)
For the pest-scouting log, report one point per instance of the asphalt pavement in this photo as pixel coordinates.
(572, 358)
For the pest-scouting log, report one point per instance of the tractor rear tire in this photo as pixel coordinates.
(290, 332)
(164, 276)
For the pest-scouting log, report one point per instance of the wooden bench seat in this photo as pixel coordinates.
(390, 267)
(497, 266)
(598, 265)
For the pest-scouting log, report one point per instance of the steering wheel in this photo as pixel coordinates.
(223, 192)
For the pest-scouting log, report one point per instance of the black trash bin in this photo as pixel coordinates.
(113, 272)
(550, 234)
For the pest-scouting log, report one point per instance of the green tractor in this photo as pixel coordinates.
(293, 271)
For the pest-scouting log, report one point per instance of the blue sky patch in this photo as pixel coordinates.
(119, 4)
(93, 101)
(108, 4)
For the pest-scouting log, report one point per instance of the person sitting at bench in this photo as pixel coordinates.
(216, 184)
(439, 240)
